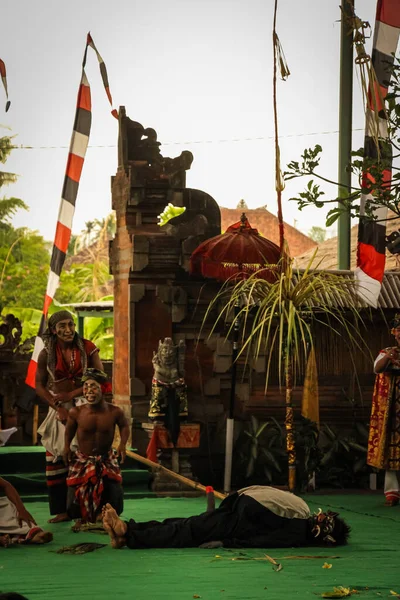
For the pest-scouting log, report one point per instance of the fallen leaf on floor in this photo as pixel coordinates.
(89, 528)
(326, 565)
(276, 566)
(338, 592)
(217, 556)
(394, 594)
(81, 548)
(196, 596)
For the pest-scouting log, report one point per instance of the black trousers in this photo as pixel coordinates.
(113, 494)
(237, 518)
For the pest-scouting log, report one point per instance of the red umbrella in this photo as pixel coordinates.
(237, 253)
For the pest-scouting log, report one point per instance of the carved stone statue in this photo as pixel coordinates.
(10, 334)
(168, 395)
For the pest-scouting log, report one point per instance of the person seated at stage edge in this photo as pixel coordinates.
(17, 526)
(94, 476)
(253, 517)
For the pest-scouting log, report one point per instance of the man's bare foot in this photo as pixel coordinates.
(109, 530)
(59, 518)
(42, 537)
(111, 518)
(114, 526)
(5, 541)
(76, 527)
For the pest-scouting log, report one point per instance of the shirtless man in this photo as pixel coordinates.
(62, 361)
(94, 476)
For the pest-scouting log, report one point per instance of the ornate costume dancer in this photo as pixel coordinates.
(58, 381)
(384, 433)
(168, 394)
(254, 517)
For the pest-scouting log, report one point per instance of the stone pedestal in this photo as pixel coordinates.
(176, 459)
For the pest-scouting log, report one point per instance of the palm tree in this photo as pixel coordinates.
(6, 147)
(8, 208)
(279, 317)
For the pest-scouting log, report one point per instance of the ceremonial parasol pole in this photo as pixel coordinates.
(230, 421)
(236, 254)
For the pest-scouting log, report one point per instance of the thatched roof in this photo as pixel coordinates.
(327, 251)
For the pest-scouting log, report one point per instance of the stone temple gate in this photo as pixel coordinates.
(154, 295)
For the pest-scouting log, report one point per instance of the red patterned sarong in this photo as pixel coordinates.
(86, 474)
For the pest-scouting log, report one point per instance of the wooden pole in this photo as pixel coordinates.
(35, 424)
(181, 478)
(289, 424)
(345, 129)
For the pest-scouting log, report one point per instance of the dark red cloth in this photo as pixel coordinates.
(86, 474)
(65, 371)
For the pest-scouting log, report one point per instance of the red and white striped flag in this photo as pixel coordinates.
(371, 234)
(76, 157)
(3, 74)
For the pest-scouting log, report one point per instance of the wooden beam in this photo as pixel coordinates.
(181, 478)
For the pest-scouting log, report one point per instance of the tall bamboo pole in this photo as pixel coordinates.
(289, 420)
(345, 128)
(278, 181)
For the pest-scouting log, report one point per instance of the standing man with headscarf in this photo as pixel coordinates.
(58, 381)
(384, 432)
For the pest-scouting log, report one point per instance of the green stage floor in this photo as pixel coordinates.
(370, 564)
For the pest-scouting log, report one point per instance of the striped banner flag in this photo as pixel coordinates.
(3, 74)
(371, 234)
(76, 157)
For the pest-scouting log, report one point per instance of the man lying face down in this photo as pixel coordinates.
(253, 517)
(94, 476)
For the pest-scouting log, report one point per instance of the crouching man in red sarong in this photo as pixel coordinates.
(94, 476)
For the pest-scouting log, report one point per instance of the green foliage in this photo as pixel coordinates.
(318, 234)
(170, 212)
(6, 147)
(277, 316)
(29, 317)
(8, 208)
(343, 463)
(24, 265)
(83, 283)
(96, 232)
(381, 194)
(338, 459)
(24, 256)
(260, 452)
(101, 333)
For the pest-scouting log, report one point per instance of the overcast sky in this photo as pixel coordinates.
(198, 71)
